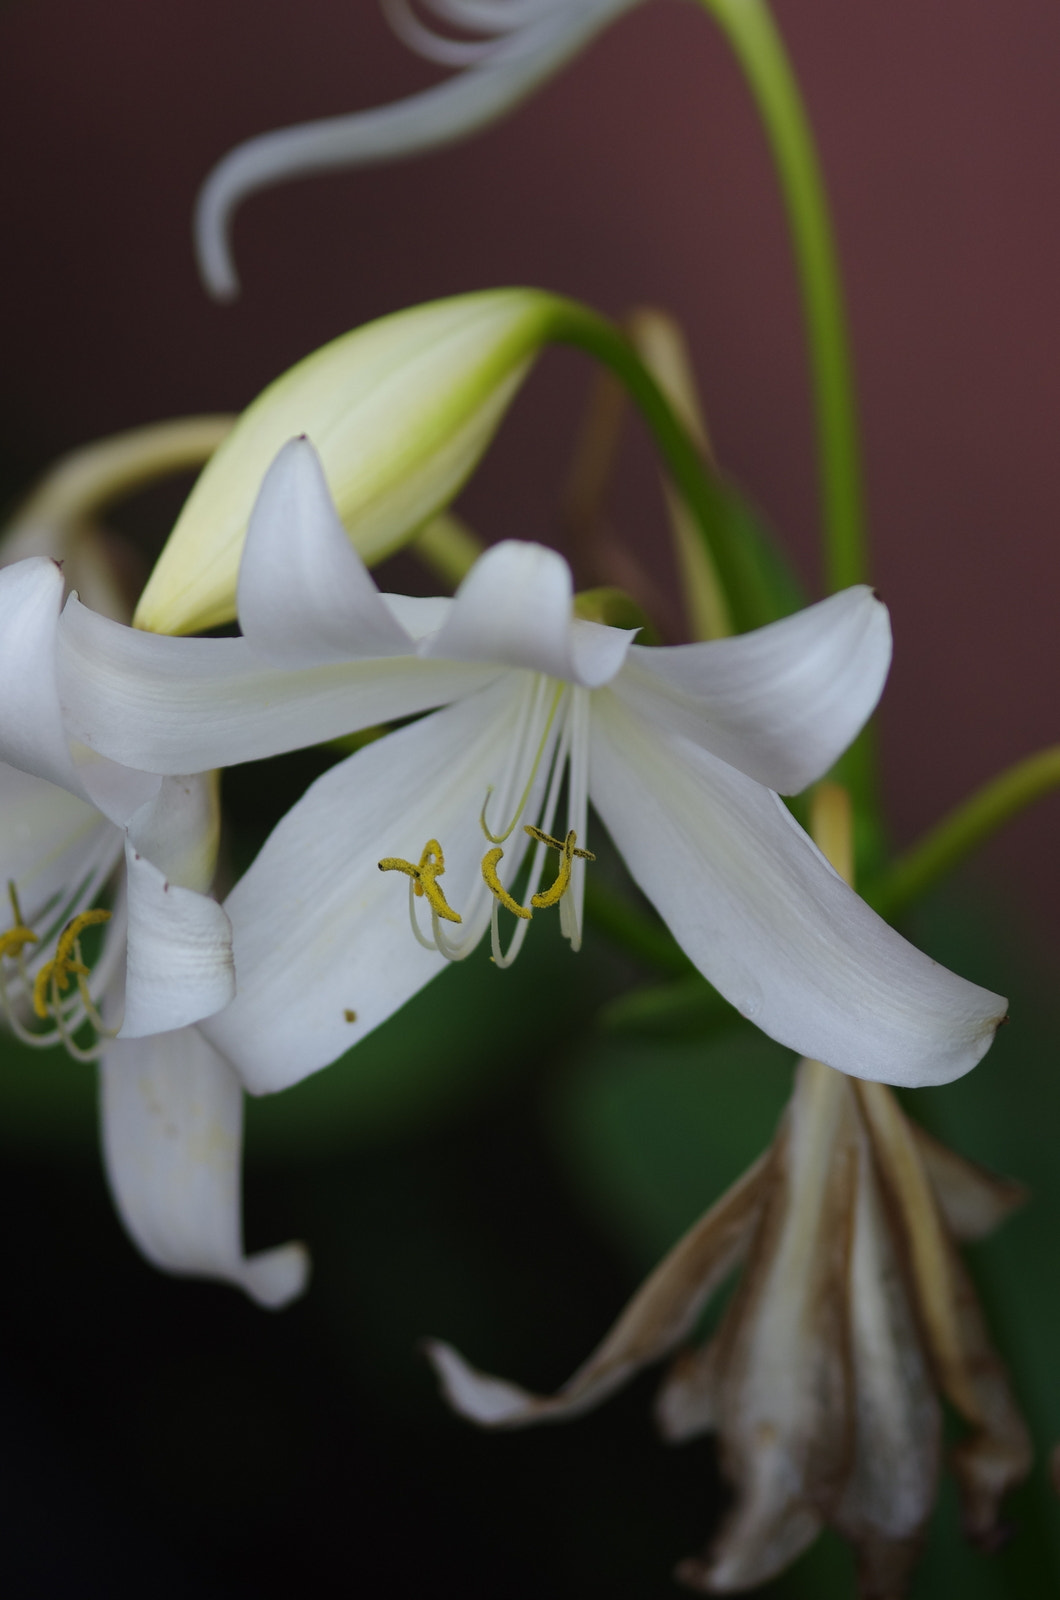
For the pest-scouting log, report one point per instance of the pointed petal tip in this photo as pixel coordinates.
(274, 1278)
(489, 1402)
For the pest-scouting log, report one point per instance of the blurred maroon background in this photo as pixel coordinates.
(640, 175)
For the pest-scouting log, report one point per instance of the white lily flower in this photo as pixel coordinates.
(680, 751)
(72, 825)
(523, 43)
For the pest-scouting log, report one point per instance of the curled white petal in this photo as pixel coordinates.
(515, 606)
(781, 703)
(172, 1114)
(438, 116)
(179, 967)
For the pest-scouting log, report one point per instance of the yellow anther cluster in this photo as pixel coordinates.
(424, 875)
(431, 865)
(14, 941)
(568, 849)
(53, 979)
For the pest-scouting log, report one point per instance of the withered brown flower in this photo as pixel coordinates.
(853, 1318)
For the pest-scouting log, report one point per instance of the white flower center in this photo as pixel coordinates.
(549, 744)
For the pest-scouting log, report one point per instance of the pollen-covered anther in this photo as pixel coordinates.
(568, 849)
(496, 887)
(14, 941)
(424, 877)
(53, 979)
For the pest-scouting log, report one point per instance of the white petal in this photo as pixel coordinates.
(515, 606)
(180, 953)
(172, 1142)
(436, 117)
(188, 705)
(781, 703)
(32, 736)
(761, 913)
(323, 946)
(305, 596)
(179, 830)
(49, 839)
(33, 733)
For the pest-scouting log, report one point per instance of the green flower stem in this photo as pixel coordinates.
(758, 46)
(710, 500)
(964, 830)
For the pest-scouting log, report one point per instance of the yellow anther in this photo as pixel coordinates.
(55, 975)
(14, 940)
(570, 842)
(424, 875)
(496, 887)
(568, 849)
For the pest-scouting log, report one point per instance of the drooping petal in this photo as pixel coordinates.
(781, 703)
(515, 606)
(172, 1113)
(179, 967)
(305, 596)
(436, 117)
(322, 942)
(890, 1488)
(662, 1313)
(755, 905)
(784, 1390)
(189, 705)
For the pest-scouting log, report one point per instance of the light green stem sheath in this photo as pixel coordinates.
(965, 828)
(754, 37)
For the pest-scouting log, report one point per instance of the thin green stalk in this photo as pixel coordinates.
(964, 830)
(711, 501)
(759, 48)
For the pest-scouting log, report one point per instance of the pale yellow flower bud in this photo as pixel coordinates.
(399, 412)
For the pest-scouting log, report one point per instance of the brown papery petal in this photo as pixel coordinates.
(662, 1313)
(969, 1371)
(890, 1491)
(784, 1395)
(973, 1200)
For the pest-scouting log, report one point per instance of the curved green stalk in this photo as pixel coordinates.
(758, 46)
(965, 828)
(732, 537)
